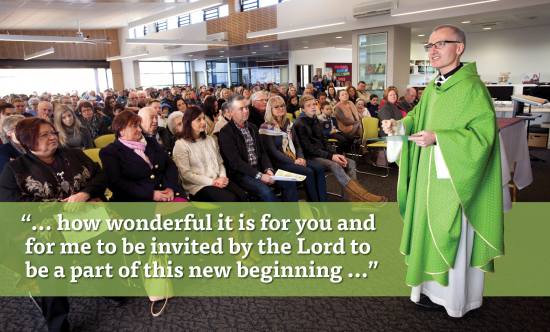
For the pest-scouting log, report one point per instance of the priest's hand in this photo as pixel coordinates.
(424, 138)
(389, 126)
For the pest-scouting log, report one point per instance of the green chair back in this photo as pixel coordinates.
(94, 155)
(104, 140)
(370, 128)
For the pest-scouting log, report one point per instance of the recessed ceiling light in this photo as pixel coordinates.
(221, 56)
(306, 47)
(266, 45)
(421, 35)
(222, 51)
(190, 54)
(486, 28)
(465, 22)
(338, 37)
(253, 52)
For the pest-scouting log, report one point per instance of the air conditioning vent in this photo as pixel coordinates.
(171, 47)
(373, 8)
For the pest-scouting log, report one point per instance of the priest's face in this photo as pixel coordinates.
(446, 58)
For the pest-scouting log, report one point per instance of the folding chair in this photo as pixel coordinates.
(104, 140)
(370, 130)
(94, 155)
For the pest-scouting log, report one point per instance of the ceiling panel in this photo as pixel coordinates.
(64, 14)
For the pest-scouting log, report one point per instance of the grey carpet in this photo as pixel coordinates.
(282, 314)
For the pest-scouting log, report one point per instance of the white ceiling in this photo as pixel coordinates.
(497, 20)
(63, 15)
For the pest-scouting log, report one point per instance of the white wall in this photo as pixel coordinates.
(316, 57)
(518, 51)
(130, 72)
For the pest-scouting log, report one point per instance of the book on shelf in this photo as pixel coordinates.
(504, 78)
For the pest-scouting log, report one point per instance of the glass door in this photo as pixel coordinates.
(372, 62)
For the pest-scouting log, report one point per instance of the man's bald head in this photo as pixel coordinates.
(146, 111)
(149, 120)
(410, 95)
(44, 108)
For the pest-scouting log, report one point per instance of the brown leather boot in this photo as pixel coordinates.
(360, 194)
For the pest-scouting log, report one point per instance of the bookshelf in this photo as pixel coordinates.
(373, 61)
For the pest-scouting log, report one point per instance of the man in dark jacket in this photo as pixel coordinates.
(150, 128)
(408, 103)
(246, 161)
(257, 110)
(317, 148)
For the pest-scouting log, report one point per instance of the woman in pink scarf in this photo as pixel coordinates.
(137, 167)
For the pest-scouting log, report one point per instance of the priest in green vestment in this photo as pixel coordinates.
(450, 182)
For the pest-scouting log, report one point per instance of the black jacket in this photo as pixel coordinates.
(312, 137)
(27, 179)
(235, 154)
(7, 152)
(131, 179)
(166, 139)
(255, 117)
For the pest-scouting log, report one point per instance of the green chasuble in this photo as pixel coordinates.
(462, 115)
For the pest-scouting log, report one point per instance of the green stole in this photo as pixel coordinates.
(462, 115)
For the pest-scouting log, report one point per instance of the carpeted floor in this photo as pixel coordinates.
(282, 314)
(302, 313)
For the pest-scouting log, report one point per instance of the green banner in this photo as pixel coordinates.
(236, 249)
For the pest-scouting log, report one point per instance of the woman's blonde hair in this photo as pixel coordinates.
(222, 92)
(58, 122)
(269, 114)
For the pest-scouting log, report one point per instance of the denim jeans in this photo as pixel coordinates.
(315, 183)
(262, 190)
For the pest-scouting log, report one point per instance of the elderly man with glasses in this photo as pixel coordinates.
(450, 189)
(257, 110)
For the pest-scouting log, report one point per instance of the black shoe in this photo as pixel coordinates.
(426, 304)
(114, 301)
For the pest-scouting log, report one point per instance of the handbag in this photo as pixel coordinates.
(158, 289)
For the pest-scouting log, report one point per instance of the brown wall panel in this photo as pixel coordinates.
(63, 51)
(67, 51)
(237, 25)
(118, 81)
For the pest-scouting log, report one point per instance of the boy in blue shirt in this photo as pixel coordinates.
(330, 126)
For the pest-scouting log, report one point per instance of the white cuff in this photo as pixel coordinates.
(395, 147)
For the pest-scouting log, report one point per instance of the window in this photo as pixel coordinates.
(164, 73)
(145, 30)
(217, 71)
(184, 20)
(249, 4)
(162, 25)
(210, 14)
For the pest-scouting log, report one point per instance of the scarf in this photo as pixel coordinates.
(350, 112)
(274, 130)
(139, 148)
(92, 126)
